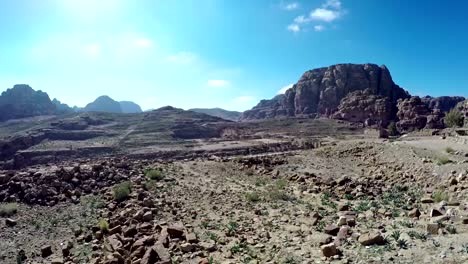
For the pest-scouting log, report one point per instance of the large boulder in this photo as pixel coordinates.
(364, 107)
(22, 101)
(320, 91)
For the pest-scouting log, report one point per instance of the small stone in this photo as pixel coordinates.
(46, 251)
(148, 216)
(331, 230)
(374, 238)
(57, 261)
(465, 221)
(186, 247)
(436, 212)
(342, 221)
(414, 213)
(329, 250)
(432, 228)
(191, 238)
(175, 232)
(427, 200)
(130, 231)
(10, 222)
(115, 230)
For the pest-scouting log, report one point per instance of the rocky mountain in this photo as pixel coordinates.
(22, 101)
(103, 104)
(62, 108)
(129, 107)
(320, 91)
(443, 103)
(219, 112)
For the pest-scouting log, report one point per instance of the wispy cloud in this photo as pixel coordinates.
(217, 83)
(290, 6)
(182, 58)
(294, 28)
(319, 28)
(284, 89)
(328, 12)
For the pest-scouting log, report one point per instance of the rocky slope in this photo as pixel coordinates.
(320, 91)
(219, 112)
(22, 101)
(103, 104)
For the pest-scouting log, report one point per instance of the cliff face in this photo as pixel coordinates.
(320, 91)
(22, 101)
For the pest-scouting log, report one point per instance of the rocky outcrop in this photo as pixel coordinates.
(412, 114)
(103, 104)
(320, 91)
(62, 108)
(366, 108)
(22, 101)
(129, 107)
(219, 112)
(443, 103)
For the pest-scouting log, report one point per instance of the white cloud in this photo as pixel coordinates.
(326, 15)
(182, 58)
(291, 6)
(336, 4)
(217, 83)
(244, 99)
(92, 50)
(329, 12)
(284, 89)
(319, 28)
(294, 28)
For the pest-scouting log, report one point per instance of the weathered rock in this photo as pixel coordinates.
(320, 91)
(175, 231)
(46, 251)
(412, 114)
(373, 238)
(10, 222)
(57, 261)
(414, 213)
(331, 230)
(329, 250)
(366, 108)
(443, 104)
(432, 228)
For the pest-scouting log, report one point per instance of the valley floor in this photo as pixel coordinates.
(349, 201)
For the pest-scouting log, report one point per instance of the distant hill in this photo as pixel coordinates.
(22, 101)
(62, 108)
(103, 104)
(129, 107)
(219, 112)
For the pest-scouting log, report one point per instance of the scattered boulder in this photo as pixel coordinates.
(373, 238)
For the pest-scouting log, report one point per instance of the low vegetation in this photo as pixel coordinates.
(440, 196)
(8, 209)
(154, 174)
(454, 118)
(122, 191)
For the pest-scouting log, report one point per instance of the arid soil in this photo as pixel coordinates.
(348, 201)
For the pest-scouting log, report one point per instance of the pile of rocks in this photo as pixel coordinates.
(50, 185)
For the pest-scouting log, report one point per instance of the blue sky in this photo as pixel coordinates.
(231, 54)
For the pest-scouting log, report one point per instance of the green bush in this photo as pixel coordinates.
(8, 209)
(122, 191)
(440, 196)
(449, 150)
(443, 160)
(454, 118)
(154, 174)
(103, 225)
(253, 197)
(392, 129)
